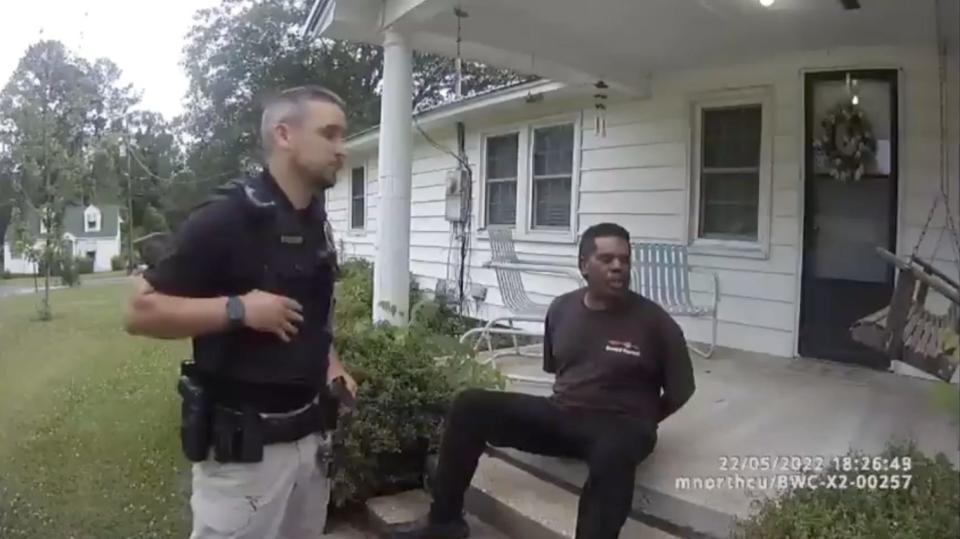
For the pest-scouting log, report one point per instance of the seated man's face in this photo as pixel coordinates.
(608, 268)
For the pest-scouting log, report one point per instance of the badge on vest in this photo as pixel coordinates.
(292, 240)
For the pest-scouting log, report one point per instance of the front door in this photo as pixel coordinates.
(844, 221)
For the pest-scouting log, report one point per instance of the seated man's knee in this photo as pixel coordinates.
(471, 401)
(620, 455)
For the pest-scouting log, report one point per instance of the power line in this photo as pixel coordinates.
(173, 179)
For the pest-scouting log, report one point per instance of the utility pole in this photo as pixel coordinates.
(129, 214)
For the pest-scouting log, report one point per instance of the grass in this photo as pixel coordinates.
(89, 444)
(55, 281)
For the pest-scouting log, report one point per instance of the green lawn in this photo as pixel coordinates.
(88, 423)
(54, 281)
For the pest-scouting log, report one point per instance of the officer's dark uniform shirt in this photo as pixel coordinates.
(220, 250)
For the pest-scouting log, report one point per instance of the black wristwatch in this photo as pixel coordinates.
(235, 312)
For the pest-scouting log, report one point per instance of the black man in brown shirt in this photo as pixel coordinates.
(621, 366)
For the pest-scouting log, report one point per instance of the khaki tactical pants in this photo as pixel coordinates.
(284, 496)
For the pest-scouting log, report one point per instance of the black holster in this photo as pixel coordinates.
(195, 413)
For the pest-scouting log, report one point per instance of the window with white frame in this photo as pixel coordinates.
(732, 171)
(528, 179)
(358, 198)
(501, 179)
(91, 219)
(552, 180)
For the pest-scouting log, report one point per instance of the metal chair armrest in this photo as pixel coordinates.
(530, 267)
(714, 284)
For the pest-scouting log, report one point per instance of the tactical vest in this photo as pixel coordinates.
(287, 255)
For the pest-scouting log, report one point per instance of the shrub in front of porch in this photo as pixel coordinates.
(407, 377)
(928, 508)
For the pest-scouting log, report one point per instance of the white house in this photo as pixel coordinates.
(711, 113)
(93, 232)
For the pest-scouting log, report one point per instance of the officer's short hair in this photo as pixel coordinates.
(288, 106)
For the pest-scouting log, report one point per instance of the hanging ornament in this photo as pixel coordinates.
(600, 105)
(852, 90)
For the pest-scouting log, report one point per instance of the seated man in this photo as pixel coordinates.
(621, 366)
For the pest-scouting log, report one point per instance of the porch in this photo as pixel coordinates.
(785, 240)
(755, 405)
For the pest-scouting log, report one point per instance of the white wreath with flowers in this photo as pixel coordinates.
(847, 145)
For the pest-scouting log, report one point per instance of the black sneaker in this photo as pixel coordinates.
(457, 529)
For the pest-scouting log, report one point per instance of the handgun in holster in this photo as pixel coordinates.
(195, 413)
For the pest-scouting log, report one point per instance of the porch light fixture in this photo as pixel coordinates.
(766, 3)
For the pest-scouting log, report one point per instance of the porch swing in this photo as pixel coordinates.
(908, 330)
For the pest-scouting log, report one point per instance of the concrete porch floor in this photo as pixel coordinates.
(754, 405)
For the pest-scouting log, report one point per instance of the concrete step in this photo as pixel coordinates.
(651, 507)
(400, 512)
(523, 506)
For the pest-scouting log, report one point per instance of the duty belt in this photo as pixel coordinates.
(274, 427)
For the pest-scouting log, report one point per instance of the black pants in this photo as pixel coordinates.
(611, 445)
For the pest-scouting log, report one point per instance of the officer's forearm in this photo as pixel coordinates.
(161, 316)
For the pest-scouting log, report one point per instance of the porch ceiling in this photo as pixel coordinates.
(622, 42)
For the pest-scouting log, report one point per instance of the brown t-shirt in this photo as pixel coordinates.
(630, 360)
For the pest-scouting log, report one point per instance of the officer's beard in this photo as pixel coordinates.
(318, 180)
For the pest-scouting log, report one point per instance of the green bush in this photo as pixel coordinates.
(68, 270)
(929, 508)
(84, 265)
(118, 262)
(407, 378)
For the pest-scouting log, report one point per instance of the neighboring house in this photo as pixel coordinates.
(710, 119)
(93, 232)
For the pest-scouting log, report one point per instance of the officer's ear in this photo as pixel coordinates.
(284, 135)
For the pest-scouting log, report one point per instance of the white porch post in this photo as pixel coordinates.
(391, 271)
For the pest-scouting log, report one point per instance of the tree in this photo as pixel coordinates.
(56, 113)
(240, 51)
(6, 194)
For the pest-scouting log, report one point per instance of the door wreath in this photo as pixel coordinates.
(847, 144)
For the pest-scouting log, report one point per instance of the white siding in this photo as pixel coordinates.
(16, 265)
(638, 176)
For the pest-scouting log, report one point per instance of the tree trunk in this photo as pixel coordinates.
(45, 313)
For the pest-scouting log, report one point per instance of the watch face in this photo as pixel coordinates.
(235, 310)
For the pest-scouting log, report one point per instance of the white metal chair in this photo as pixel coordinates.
(509, 269)
(660, 272)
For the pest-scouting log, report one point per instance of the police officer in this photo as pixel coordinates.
(250, 279)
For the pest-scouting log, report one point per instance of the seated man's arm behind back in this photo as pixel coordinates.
(549, 359)
(173, 299)
(678, 383)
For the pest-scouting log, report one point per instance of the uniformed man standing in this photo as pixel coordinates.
(250, 279)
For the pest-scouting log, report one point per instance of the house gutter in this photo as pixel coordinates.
(450, 111)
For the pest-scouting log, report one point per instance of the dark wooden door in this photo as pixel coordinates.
(844, 221)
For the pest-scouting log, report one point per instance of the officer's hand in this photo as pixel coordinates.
(271, 313)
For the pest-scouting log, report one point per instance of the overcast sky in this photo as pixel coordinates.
(144, 38)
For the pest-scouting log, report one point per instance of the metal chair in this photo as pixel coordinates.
(660, 272)
(509, 269)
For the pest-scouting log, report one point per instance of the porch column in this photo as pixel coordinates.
(391, 272)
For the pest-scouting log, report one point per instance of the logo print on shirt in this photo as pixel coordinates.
(623, 347)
